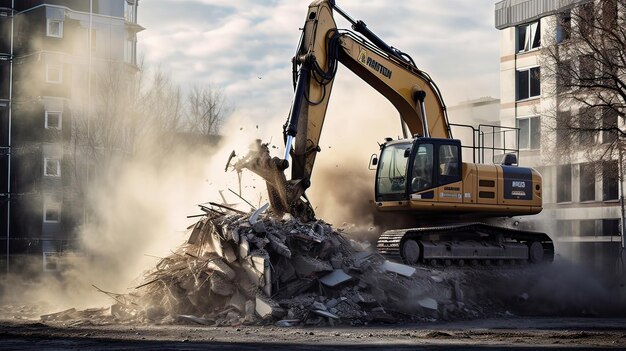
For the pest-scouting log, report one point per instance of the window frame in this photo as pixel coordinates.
(49, 33)
(589, 182)
(51, 205)
(610, 182)
(60, 120)
(564, 26)
(518, 88)
(60, 69)
(607, 135)
(530, 129)
(45, 167)
(528, 41)
(568, 198)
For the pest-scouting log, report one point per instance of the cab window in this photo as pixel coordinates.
(448, 163)
(422, 177)
(392, 169)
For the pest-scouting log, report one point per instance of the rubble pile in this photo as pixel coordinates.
(253, 268)
(238, 268)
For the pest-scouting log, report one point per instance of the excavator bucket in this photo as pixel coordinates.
(285, 196)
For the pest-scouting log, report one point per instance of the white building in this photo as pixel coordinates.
(582, 211)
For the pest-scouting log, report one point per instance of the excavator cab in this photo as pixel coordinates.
(417, 165)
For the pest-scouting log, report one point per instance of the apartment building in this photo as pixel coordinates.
(582, 209)
(50, 53)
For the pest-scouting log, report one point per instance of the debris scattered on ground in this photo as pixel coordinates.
(252, 268)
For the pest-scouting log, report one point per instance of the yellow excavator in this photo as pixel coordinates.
(423, 174)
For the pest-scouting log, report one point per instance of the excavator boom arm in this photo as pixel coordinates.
(386, 69)
(381, 66)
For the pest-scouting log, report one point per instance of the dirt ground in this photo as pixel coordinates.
(492, 334)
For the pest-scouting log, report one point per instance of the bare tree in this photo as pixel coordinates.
(161, 111)
(205, 110)
(585, 65)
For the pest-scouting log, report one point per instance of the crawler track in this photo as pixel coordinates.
(467, 243)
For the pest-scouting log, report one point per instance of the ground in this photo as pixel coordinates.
(492, 334)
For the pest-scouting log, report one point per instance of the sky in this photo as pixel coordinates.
(244, 47)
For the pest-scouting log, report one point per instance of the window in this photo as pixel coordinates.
(528, 36)
(587, 69)
(586, 17)
(587, 182)
(529, 132)
(609, 120)
(563, 129)
(590, 227)
(54, 74)
(564, 76)
(528, 83)
(129, 11)
(52, 167)
(448, 160)
(564, 26)
(55, 28)
(609, 64)
(564, 183)
(587, 127)
(53, 120)
(609, 13)
(609, 181)
(423, 168)
(51, 212)
(449, 164)
(611, 227)
(129, 51)
(392, 169)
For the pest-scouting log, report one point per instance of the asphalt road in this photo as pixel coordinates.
(492, 334)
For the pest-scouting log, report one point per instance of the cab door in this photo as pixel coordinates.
(448, 171)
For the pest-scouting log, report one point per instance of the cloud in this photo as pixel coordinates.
(245, 46)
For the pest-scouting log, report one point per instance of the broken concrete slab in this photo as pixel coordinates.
(244, 247)
(217, 265)
(429, 303)
(229, 254)
(398, 268)
(266, 307)
(319, 306)
(216, 243)
(337, 277)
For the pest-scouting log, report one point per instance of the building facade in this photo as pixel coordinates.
(582, 209)
(50, 53)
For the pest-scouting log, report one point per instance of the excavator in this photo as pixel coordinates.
(423, 174)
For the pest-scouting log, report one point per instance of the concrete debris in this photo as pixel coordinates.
(266, 307)
(335, 278)
(287, 323)
(238, 268)
(194, 319)
(398, 268)
(326, 314)
(428, 303)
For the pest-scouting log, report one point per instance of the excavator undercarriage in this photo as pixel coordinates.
(466, 244)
